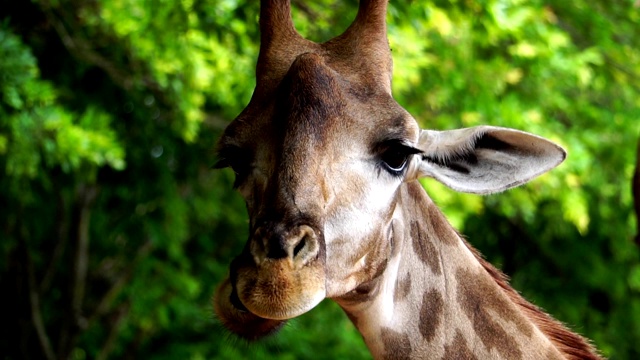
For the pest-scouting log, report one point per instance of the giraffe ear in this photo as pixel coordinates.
(485, 159)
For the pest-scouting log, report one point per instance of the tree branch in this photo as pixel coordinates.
(580, 39)
(87, 193)
(34, 302)
(66, 26)
(105, 303)
(85, 196)
(120, 314)
(635, 185)
(83, 51)
(61, 243)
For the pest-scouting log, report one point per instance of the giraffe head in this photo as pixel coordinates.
(319, 155)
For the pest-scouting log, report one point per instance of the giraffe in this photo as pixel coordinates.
(327, 162)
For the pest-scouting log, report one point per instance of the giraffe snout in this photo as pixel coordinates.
(298, 246)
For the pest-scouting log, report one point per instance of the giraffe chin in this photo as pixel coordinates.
(241, 322)
(277, 292)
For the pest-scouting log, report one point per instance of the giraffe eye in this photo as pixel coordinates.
(394, 157)
(395, 160)
(238, 160)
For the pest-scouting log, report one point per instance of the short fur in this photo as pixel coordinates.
(572, 345)
(326, 161)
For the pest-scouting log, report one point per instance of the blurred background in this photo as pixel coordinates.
(115, 231)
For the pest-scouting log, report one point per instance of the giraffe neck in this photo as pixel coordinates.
(437, 299)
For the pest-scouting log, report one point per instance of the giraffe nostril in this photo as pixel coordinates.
(299, 246)
(277, 250)
(307, 249)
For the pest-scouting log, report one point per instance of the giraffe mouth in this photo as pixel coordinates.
(238, 319)
(274, 290)
(254, 306)
(235, 301)
(279, 275)
(257, 299)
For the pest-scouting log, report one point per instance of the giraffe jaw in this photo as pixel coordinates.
(240, 321)
(274, 290)
(257, 300)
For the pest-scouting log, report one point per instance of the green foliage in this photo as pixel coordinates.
(38, 131)
(115, 231)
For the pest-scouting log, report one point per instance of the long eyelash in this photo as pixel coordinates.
(235, 158)
(400, 146)
(224, 156)
(396, 174)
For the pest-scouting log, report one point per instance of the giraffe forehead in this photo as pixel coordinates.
(318, 105)
(323, 106)
(318, 121)
(310, 101)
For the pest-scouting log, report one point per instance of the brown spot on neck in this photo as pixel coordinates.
(423, 247)
(432, 220)
(397, 346)
(403, 287)
(571, 345)
(364, 292)
(440, 226)
(458, 349)
(431, 314)
(477, 295)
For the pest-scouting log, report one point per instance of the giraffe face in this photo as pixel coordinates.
(319, 155)
(318, 164)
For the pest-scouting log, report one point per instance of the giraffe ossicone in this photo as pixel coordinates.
(327, 162)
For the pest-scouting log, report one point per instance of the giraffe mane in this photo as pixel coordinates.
(570, 344)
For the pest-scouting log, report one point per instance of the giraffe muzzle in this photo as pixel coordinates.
(298, 247)
(281, 273)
